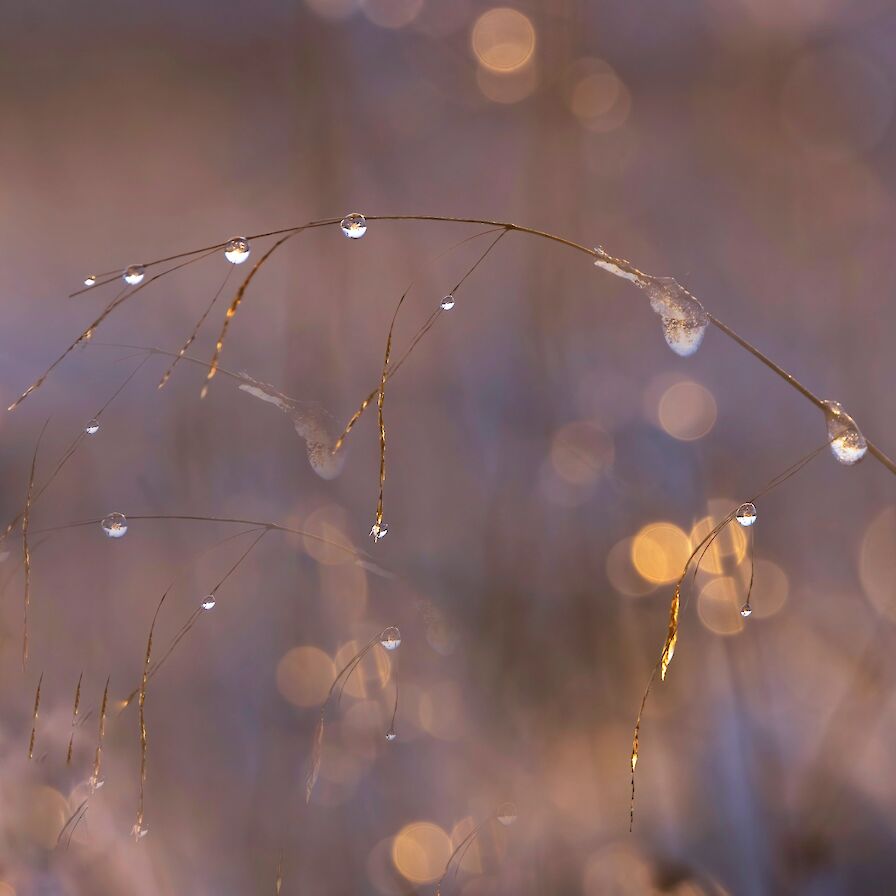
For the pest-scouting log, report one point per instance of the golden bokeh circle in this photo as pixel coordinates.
(687, 411)
(659, 552)
(718, 606)
(580, 452)
(877, 562)
(420, 851)
(621, 571)
(304, 675)
(391, 13)
(503, 39)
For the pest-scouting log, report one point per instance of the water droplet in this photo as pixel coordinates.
(745, 610)
(506, 814)
(90, 280)
(133, 274)
(354, 226)
(379, 531)
(391, 735)
(848, 444)
(237, 250)
(684, 318)
(138, 832)
(93, 427)
(746, 514)
(209, 602)
(95, 783)
(115, 525)
(390, 638)
(447, 303)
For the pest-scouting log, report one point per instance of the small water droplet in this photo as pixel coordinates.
(95, 783)
(93, 427)
(684, 318)
(209, 602)
(138, 832)
(391, 735)
(746, 514)
(237, 250)
(133, 274)
(745, 610)
(354, 226)
(447, 303)
(379, 531)
(115, 525)
(390, 638)
(848, 445)
(90, 280)
(506, 814)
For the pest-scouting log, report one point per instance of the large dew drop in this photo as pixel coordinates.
(746, 514)
(684, 318)
(354, 226)
(236, 250)
(133, 274)
(115, 525)
(848, 445)
(390, 638)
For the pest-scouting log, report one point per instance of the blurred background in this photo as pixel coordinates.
(551, 462)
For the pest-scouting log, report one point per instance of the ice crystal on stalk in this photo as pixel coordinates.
(684, 318)
(848, 444)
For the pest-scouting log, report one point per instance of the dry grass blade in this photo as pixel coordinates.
(279, 882)
(672, 635)
(122, 297)
(75, 709)
(34, 717)
(138, 829)
(95, 781)
(191, 338)
(317, 746)
(26, 550)
(234, 305)
(72, 822)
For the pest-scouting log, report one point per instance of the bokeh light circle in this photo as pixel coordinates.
(660, 551)
(304, 675)
(687, 411)
(420, 851)
(503, 39)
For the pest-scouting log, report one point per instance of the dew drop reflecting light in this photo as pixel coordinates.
(237, 250)
(90, 280)
(506, 814)
(354, 226)
(115, 525)
(447, 303)
(134, 274)
(378, 531)
(390, 638)
(209, 602)
(746, 514)
(746, 610)
(848, 445)
(391, 735)
(93, 427)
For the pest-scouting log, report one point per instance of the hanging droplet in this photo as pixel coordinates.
(95, 783)
(745, 610)
(115, 525)
(391, 735)
(90, 280)
(133, 274)
(209, 602)
(390, 638)
(237, 250)
(848, 444)
(379, 531)
(684, 318)
(93, 427)
(354, 226)
(506, 814)
(746, 514)
(447, 303)
(138, 832)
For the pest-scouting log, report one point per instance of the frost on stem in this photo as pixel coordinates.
(684, 319)
(848, 445)
(313, 423)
